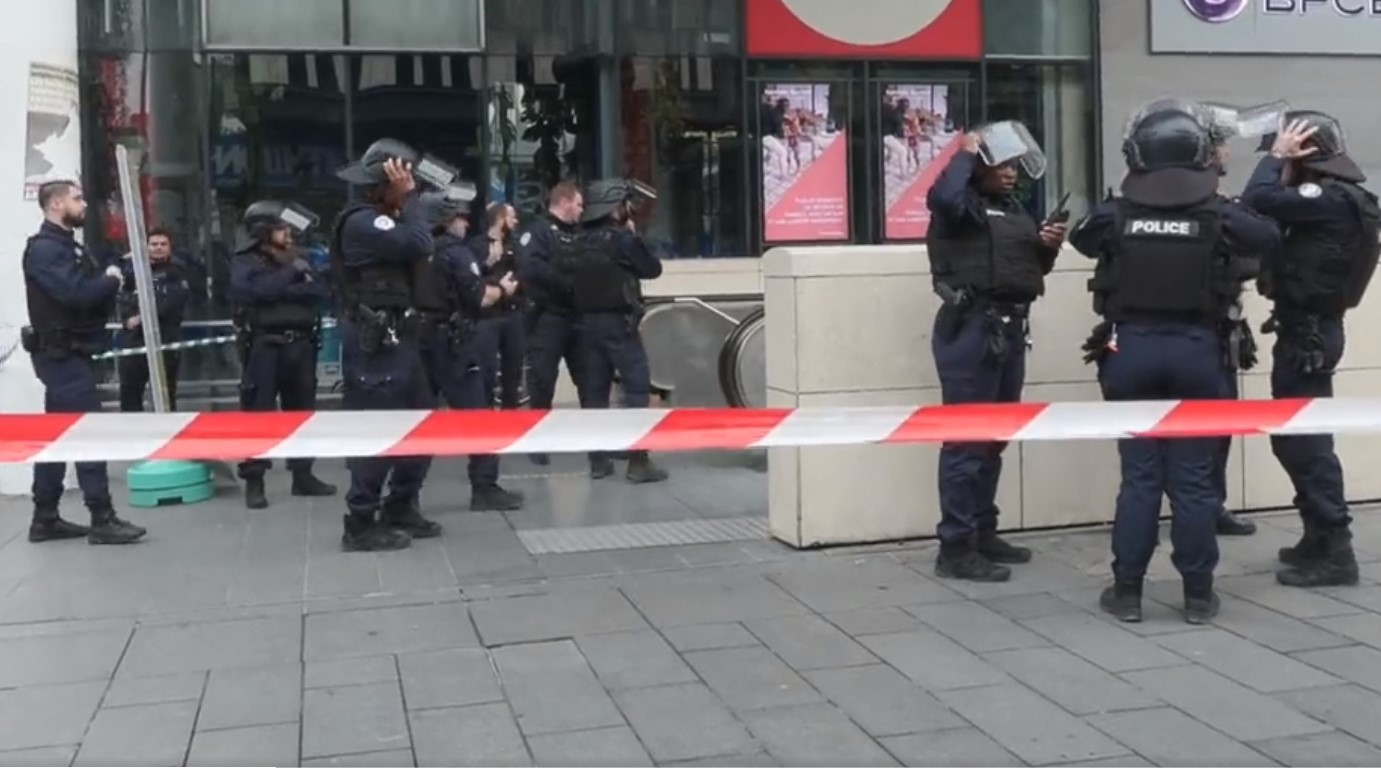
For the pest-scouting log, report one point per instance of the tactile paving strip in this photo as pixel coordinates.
(550, 541)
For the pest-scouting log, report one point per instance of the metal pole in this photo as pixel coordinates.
(143, 281)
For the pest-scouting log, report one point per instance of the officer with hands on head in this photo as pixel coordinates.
(988, 260)
(69, 300)
(450, 299)
(553, 333)
(605, 266)
(1309, 185)
(171, 294)
(1172, 255)
(277, 298)
(380, 247)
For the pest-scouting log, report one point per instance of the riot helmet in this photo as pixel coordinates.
(369, 169)
(1330, 157)
(443, 207)
(263, 217)
(607, 197)
(1009, 141)
(1169, 145)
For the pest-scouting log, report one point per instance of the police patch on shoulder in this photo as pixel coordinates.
(525, 239)
(384, 223)
(474, 268)
(1310, 191)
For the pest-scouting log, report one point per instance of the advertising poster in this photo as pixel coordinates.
(805, 166)
(918, 140)
(52, 148)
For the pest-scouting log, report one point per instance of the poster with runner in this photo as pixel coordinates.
(805, 165)
(918, 140)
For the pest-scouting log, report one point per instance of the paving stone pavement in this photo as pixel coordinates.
(246, 638)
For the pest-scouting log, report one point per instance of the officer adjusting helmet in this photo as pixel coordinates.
(447, 205)
(1331, 157)
(263, 218)
(1169, 148)
(369, 169)
(618, 198)
(1229, 122)
(1010, 143)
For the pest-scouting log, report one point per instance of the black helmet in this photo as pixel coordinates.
(444, 206)
(1331, 145)
(604, 197)
(369, 169)
(1169, 148)
(264, 216)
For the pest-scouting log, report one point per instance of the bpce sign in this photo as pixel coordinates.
(1218, 11)
(1298, 27)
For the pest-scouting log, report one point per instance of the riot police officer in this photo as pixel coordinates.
(553, 333)
(380, 245)
(171, 294)
(988, 260)
(277, 297)
(605, 266)
(502, 326)
(69, 300)
(450, 297)
(1172, 255)
(1311, 187)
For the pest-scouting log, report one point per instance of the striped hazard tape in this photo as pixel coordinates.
(235, 435)
(172, 347)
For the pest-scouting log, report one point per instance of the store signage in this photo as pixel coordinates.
(1327, 27)
(930, 29)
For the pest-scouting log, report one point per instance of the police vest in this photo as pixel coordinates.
(278, 315)
(1320, 270)
(435, 293)
(590, 262)
(999, 262)
(47, 315)
(1164, 265)
(377, 285)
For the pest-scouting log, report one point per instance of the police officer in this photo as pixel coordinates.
(277, 296)
(501, 329)
(171, 294)
(988, 260)
(1310, 186)
(450, 298)
(553, 331)
(69, 300)
(605, 267)
(380, 246)
(1172, 255)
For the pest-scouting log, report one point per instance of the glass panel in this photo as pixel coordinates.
(132, 25)
(410, 24)
(1038, 27)
(668, 27)
(1054, 103)
(297, 24)
(541, 27)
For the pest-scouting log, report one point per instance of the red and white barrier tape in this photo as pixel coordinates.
(235, 435)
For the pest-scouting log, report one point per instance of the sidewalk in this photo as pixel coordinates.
(247, 638)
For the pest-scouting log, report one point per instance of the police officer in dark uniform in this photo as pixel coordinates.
(277, 297)
(1311, 187)
(450, 298)
(69, 300)
(171, 294)
(605, 266)
(503, 346)
(380, 246)
(1172, 255)
(553, 332)
(988, 261)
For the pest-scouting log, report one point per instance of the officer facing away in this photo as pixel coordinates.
(605, 267)
(276, 295)
(379, 248)
(170, 295)
(1310, 186)
(69, 300)
(450, 297)
(553, 334)
(988, 260)
(1171, 255)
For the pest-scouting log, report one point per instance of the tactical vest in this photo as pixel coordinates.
(1319, 270)
(435, 292)
(998, 262)
(1164, 266)
(279, 315)
(376, 286)
(48, 316)
(590, 262)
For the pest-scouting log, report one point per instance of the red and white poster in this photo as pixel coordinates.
(875, 29)
(918, 140)
(805, 166)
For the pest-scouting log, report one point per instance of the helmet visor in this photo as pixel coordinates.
(1009, 141)
(299, 218)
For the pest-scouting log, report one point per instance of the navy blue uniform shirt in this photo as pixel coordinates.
(53, 261)
(957, 207)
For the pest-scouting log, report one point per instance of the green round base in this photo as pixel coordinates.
(158, 475)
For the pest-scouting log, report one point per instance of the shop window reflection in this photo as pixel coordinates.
(1053, 101)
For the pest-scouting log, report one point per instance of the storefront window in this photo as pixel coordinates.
(1053, 101)
(542, 28)
(670, 27)
(1038, 28)
(416, 24)
(137, 25)
(300, 24)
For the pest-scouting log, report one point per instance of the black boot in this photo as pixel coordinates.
(601, 467)
(106, 528)
(1200, 601)
(1336, 567)
(363, 534)
(307, 484)
(960, 560)
(1310, 546)
(254, 493)
(50, 527)
(993, 547)
(1232, 525)
(1122, 600)
(642, 470)
(493, 498)
(406, 515)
